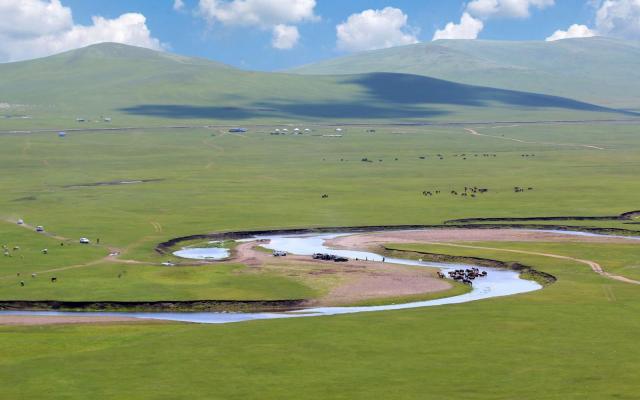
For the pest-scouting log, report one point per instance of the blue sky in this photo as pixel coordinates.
(277, 34)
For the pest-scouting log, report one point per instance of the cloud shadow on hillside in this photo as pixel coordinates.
(387, 95)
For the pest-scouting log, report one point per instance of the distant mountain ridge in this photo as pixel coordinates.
(598, 70)
(137, 86)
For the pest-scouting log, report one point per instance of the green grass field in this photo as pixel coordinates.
(573, 340)
(211, 181)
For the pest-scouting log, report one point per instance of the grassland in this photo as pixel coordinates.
(572, 340)
(213, 181)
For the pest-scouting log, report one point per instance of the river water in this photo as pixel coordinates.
(497, 283)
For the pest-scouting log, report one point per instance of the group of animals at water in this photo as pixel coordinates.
(466, 276)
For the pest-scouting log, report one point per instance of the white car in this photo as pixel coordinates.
(39, 228)
(84, 241)
(20, 222)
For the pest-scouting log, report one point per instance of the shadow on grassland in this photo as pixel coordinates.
(382, 95)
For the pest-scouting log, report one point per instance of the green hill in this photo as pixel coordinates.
(596, 70)
(136, 86)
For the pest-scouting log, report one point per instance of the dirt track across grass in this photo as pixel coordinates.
(444, 237)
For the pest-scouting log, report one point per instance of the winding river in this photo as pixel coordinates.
(498, 283)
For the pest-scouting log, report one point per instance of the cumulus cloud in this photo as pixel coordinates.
(262, 13)
(468, 28)
(178, 5)
(28, 19)
(506, 8)
(275, 15)
(285, 37)
(477, 12)
(615, 18)
(619, 18)
(375, 29)
(36, 28)
(574, 31)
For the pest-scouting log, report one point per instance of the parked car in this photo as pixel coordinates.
(39, 228)
(20, 222)
(84, 240)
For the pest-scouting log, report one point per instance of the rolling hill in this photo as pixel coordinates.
(597, 70)
(136, 87)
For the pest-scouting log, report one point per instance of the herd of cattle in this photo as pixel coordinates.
(466, 276)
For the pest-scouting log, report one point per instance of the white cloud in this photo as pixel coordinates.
(36, 28)
(275, 15)
(485, 9)
(285, 37)
(178, 5)
(574, 31)
(468, 28)
(477, 12)
(375, 29)
(615, 18)
(33, 18)
(261, 13)
(619, 18)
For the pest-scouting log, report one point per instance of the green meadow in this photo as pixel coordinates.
(132, 189)
(572, 340)
(209, 180)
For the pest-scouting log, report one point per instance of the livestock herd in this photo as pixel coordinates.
(466, 276)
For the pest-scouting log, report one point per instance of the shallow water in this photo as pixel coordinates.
(589, 234)
(498, 283)
(212, 253)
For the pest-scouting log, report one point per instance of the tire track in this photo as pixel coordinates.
(476, 133)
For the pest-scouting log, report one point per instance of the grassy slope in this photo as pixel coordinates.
(597, 70)
(225, 182)
(144, 88)
(573, 340)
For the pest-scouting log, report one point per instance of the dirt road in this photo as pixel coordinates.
(476, 133)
